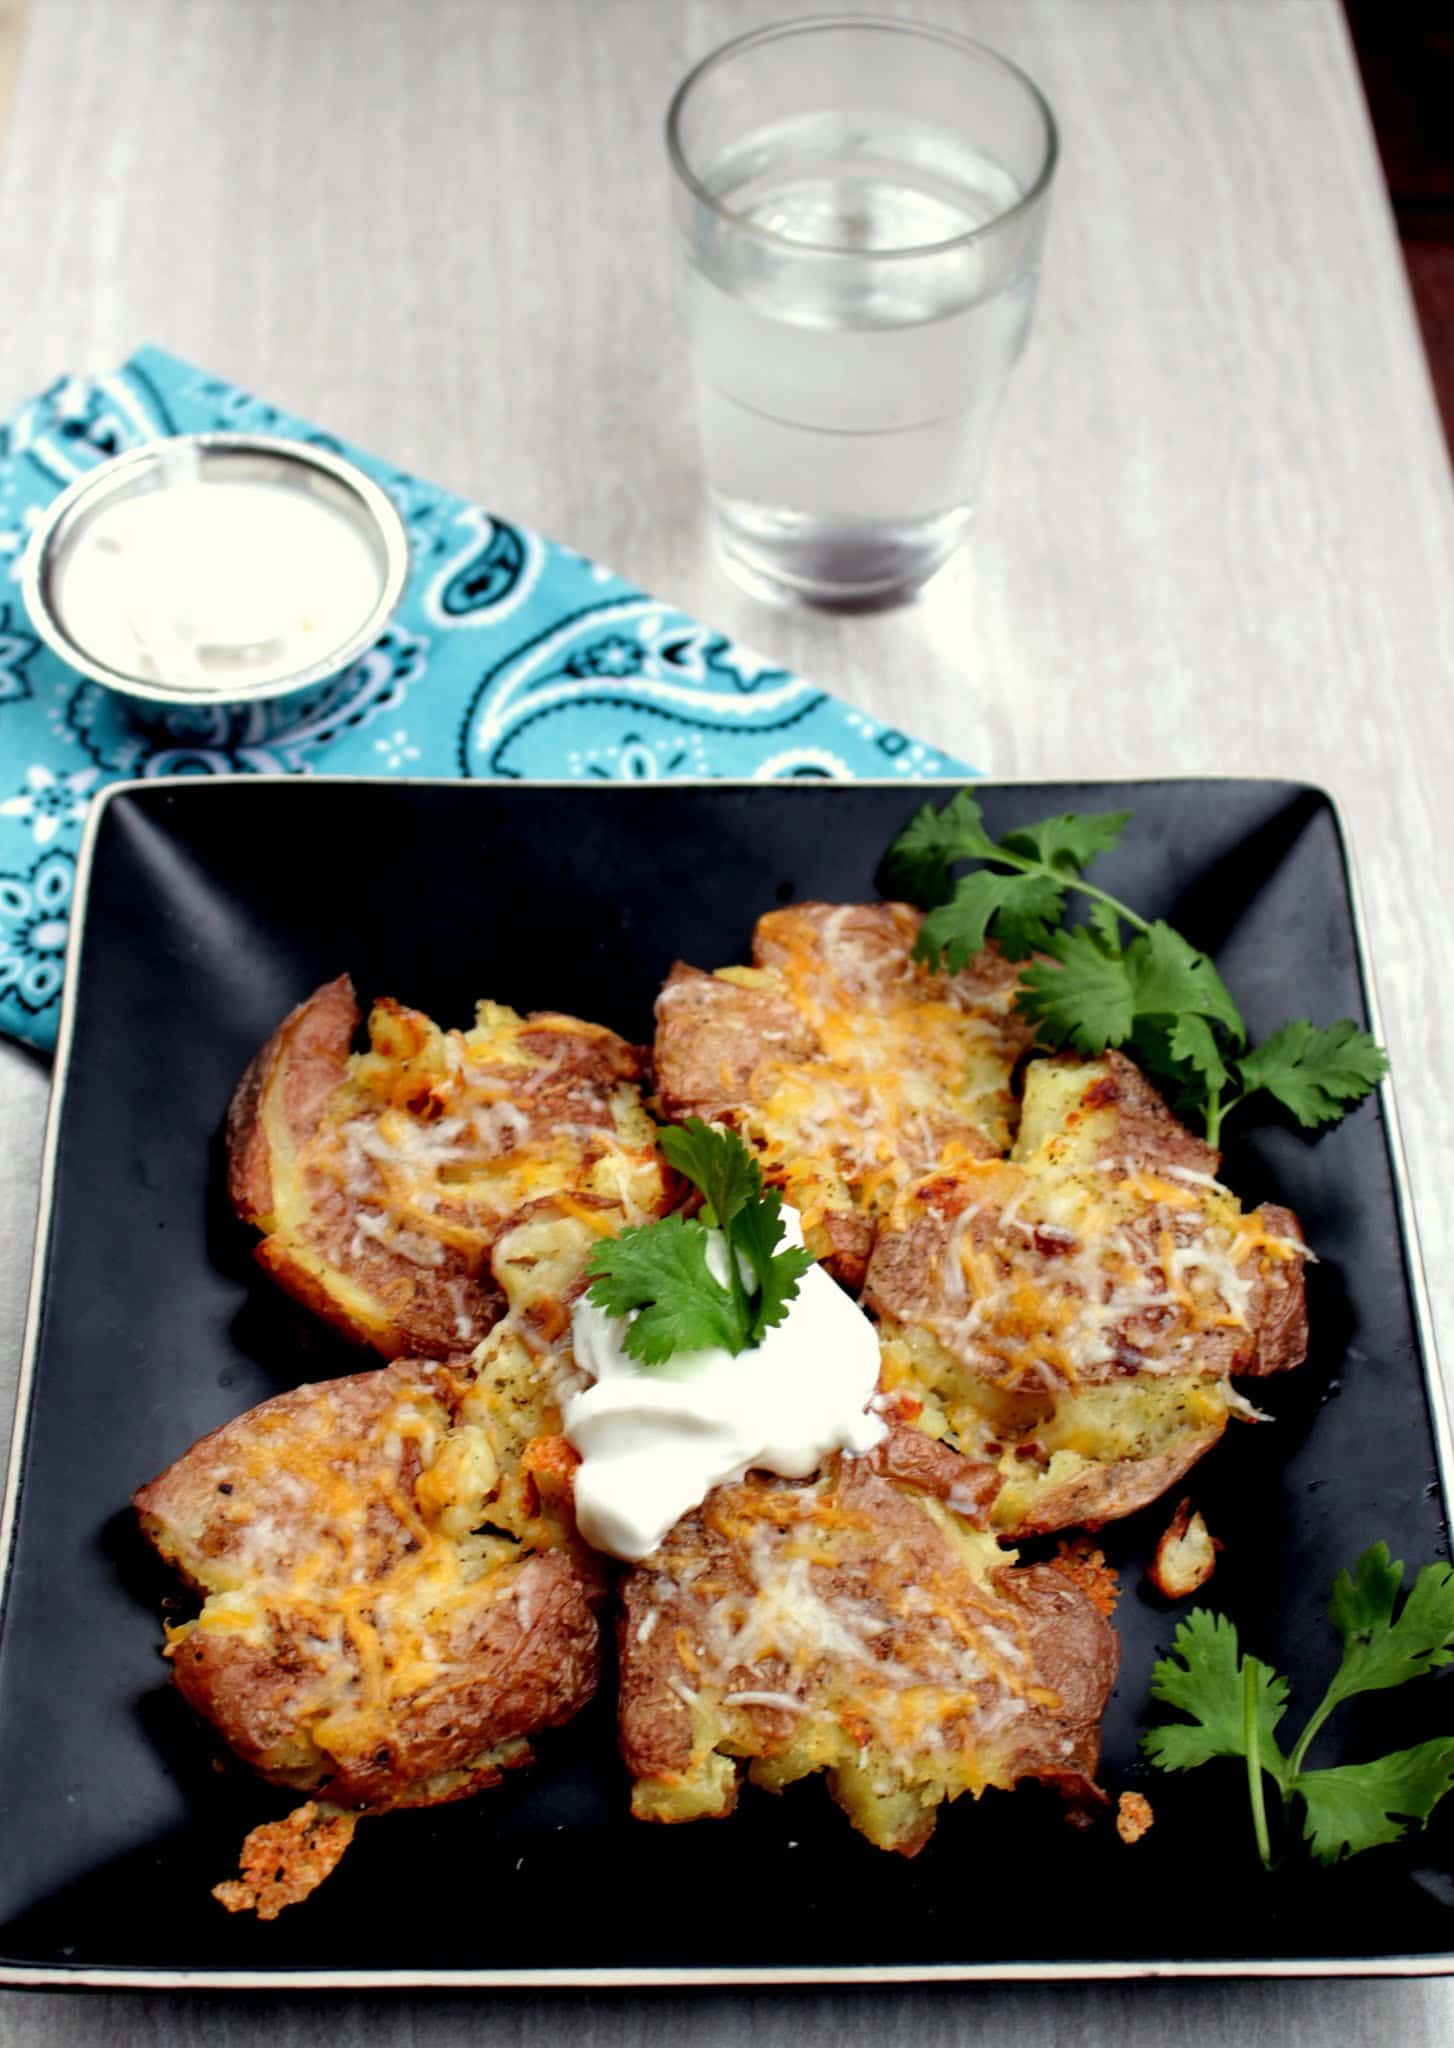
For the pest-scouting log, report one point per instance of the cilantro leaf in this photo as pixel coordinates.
(1080, 996)
(658, 1273)
(1359, 1806)
(1316, 1072)
(916, 866)
(756, 1235)
(1206, 1683)
(1234, 1705)
(716, 1162)
(1170, 978)
(1106, 925)
(1377, 1650)
(1021, 907)
(1191, 1044)
(1027, 915)
(1070, 841)
(1158, 994)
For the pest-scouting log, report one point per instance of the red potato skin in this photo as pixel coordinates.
(1280, 1305)
(710, 1041)
(412, 1321)
(1147, 1134)
(198, 1512)
(1113, 1491)
(304, 1062)
(846, 1248)
(308, 1057)
(1177, 1577)
(1078, 1657)
(967, 1485)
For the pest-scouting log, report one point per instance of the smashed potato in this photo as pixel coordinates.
(381, 1180)
(853, 1625)
(1076, 1313)
(372, 1628)
(846, 1065)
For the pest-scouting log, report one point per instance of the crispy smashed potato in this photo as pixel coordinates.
(853, 1625)
(373, 1627)
(1075, 1313)
(847, 1066)
(381, 1180)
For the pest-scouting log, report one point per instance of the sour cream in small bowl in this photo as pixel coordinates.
(215, 568)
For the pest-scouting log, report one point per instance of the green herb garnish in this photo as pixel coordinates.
(1089, 986)
(1234, 1705)
(658, 1272)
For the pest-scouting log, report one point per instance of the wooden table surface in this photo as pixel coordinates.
(1216, 536)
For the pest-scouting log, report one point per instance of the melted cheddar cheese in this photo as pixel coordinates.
(845, 1626)
(1067, 1308)
(889, 1069)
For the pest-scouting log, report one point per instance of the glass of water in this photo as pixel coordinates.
(859, 208)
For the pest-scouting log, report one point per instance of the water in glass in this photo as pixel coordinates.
(845, 403)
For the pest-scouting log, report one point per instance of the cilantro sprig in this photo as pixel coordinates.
(658, 1273)
(1118, 979)
(1234, 1705)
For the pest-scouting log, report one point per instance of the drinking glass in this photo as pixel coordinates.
(859, 207)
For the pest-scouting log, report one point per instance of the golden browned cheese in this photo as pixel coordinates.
(390, 1609)
(853, 1625)
(381, 1180)
(847, 1065)
(1074, 1314)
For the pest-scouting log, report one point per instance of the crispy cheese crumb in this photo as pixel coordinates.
(1133, 1816)
(284, 1860)
(1085, 1566)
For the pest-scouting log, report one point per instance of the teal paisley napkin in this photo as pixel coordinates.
(509, 656)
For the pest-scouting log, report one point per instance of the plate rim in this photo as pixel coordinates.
(59, 1977)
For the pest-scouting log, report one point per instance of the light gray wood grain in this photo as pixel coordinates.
(1287, 2015)
(1215, 537)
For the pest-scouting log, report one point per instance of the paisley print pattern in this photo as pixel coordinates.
(493, 573)
(35, 912)
(17, 648)
(509, 656)
(676, 682)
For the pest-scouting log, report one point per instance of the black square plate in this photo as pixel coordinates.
(210, 909)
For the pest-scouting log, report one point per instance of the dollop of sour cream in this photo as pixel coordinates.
(655, 1440)
(208, 584)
